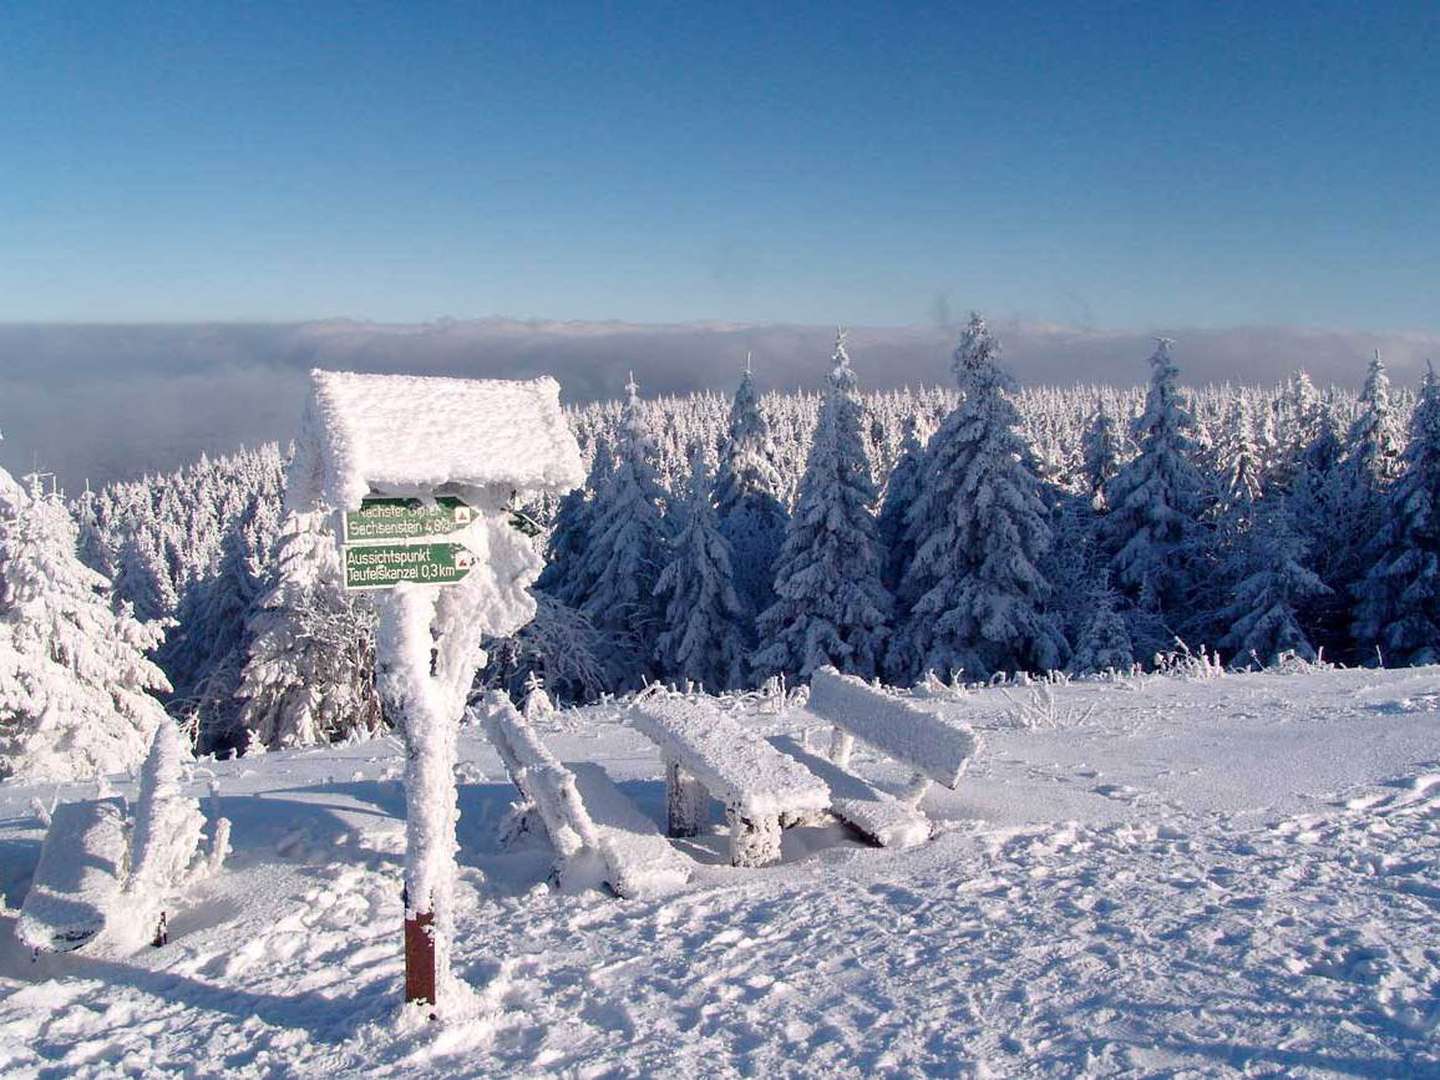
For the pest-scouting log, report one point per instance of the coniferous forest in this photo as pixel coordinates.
(964, 532)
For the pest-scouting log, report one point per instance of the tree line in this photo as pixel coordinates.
(957, 532)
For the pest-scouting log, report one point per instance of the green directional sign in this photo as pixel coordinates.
(405, 519)
(381, 566)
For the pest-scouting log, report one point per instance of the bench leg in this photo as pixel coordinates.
(841, 746)
(753, 842)
(684, 800)
(915, 790)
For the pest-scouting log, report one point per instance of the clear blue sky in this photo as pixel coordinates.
(1104, 164)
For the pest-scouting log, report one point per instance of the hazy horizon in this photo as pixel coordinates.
(105, 402)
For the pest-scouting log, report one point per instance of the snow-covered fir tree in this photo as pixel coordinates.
(831, 607)
(748, 498)
(564, 576)
(537, 703)
(973, 595)
(206, 656)
(705, 639)
(1299, 409)
(75, 683)
(1398, 600)
(1263, 615)
(1103, 643)
(1239, 457)
(1152, 504)
(1375, 439)
(901, 489)
(142, 577)
(309, 676)
(1104, 451)
(628, 547)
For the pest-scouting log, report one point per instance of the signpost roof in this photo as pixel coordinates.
(411, 434)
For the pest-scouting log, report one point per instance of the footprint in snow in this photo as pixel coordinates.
(1118, 792)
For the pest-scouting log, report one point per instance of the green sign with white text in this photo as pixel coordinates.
(381, 566)
(405, 519)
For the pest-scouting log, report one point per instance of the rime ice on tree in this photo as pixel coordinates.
(627, 548)
(974, 590)
(831, 606)
(1153, 500)
(748, 498)
(74, 679)
(481, 441)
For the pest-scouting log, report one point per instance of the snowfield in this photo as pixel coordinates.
(1159, 877)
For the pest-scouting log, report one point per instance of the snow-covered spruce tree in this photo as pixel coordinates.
(142, 576)
(1104, 643)
(537, 702)
(559, 644)
(1300, 410)
(628, 546)
(1104, 451)
(1238, 454)
(74, 680)
(205, 658)
(1374, 438)
(1398, 600)
(1357, 499)
(1263, 615)
(564, 576)
(830, 607)
(973, 595)
(705, 639)
(900, 491)
(1150, 527)
(748, 494)
(309, 676)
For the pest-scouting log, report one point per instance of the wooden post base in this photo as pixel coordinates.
(420, 958)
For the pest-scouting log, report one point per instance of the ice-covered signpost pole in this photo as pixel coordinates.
(421, 472)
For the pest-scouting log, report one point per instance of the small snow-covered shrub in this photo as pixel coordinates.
(1039, 710)
(1184, 664)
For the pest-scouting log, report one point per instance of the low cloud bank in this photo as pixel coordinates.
(112, 402)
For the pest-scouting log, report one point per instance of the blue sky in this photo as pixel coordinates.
(1118, 165)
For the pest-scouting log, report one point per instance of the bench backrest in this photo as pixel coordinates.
(539, 775)
(904, 730)
(736, 766)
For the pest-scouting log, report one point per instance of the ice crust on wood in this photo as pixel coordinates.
(879, 815)
(744, 772)
(909, 733)
(78, 878)
(593, 827)
(640, 861)
(410, 434)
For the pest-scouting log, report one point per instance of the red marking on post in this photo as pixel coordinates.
(420, 958)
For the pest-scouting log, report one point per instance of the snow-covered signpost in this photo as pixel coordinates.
(422, 472)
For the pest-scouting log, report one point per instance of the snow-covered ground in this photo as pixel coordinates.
(1238, 875)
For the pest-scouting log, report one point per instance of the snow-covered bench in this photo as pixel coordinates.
(704, 750)
(599, 835)
(880, 816)
(935, 749)
(78, 880)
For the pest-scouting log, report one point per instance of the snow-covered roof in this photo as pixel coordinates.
(404, 434)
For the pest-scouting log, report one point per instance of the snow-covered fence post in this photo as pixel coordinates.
(422, 473)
